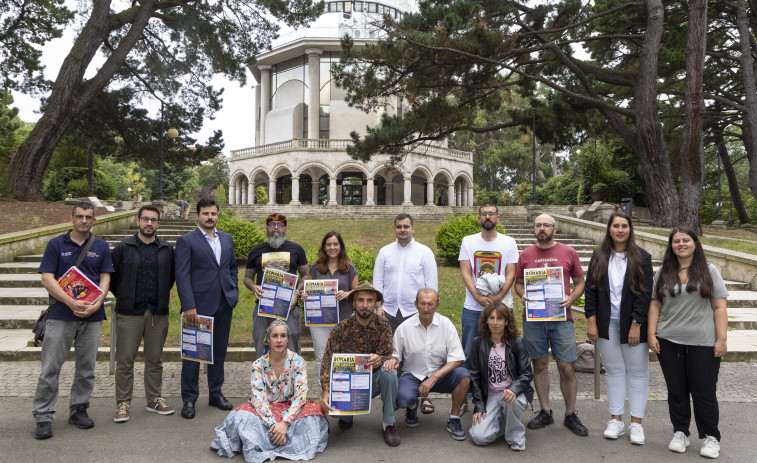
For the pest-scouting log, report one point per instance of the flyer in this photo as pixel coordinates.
(78, 286)
(321, 306)
(350, 385)
(197, 339)
(278, 293)
(544, 289)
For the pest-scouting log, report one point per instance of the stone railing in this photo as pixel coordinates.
(340, 145)
(34, 241)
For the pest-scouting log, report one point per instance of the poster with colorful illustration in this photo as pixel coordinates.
(321, 306)
(350, 384)
(278, 292)
(197, 339)
(544, 291)
(78, 286)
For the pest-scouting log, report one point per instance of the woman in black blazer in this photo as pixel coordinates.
(618, 293)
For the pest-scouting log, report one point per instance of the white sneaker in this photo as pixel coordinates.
(636, 434)
(679, 442)
(710, 447)
(614, 429)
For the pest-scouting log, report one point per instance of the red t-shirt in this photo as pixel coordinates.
(559, 255)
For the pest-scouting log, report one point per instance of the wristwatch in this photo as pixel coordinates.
(633, 320)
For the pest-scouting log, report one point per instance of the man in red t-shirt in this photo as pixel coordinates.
(559, 335)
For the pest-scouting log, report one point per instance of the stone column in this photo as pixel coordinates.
(470, 196)
(314, 83)
(332, 191)
(238, 190)
(244, 193)
(314, 192)
(369, 192)
(265, 97)
(389, 195)
(451, 195)
(232, 195)
(458, 198)
(295, 191)
(407, 197)
(250, 193)
(272, 191)
(430, 194)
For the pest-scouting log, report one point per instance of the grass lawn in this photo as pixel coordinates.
(371, 235)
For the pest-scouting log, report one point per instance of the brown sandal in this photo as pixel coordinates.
(426, 405)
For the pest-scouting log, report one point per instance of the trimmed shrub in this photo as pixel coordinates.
(246, 235)
(220, 195)
(61, 182)
(449, 236)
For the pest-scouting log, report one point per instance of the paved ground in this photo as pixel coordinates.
(148, 437)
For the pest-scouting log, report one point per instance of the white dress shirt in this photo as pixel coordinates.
(616, 273)
(215, 244)
(425, 350)
(400, 272)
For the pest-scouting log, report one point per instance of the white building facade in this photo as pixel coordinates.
(303, 125)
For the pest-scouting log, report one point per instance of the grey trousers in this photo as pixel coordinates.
(59, 335)
(130, 330)
(320, 336)
(396, 321)
(260, 326)
(502, 419)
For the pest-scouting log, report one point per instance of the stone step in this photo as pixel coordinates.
(19, 316)
(742, 318)
(25, 296)
(121, 237)
(19, 280)
(19, 267)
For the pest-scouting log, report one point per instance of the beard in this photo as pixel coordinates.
(546, 238)
(364, 316)
(489, 226)
(275, 241)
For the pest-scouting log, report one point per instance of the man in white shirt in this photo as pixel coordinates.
(428, 345)
(402, 268)
(485, 252)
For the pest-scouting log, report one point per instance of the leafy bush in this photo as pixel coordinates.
(450, 235)
(246, 235)
(619, 185)
(59, 183)
(203, 193)
(220, 195)
(562, 189)
(261, 197)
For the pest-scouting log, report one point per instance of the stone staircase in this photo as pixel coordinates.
(22, 298)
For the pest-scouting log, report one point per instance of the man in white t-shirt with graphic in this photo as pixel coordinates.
(485, 252)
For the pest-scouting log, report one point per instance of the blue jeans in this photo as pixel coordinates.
(407, 386)
(383, 383)
(539, 337)
(470, 330)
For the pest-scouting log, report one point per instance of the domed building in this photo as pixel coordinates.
(303, 125)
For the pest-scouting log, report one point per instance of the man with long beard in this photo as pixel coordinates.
(280, 254)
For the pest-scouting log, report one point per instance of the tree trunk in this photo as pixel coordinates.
(692, 149)
(90, 170)
(730, 175)
(70, 95)
(749, 124)
(650, 144)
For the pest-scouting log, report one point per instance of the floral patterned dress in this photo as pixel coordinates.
(274, 399)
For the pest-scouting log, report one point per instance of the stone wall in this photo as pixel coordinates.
(34, 241)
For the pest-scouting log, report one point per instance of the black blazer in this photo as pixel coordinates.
(632, 305)
(518, 365)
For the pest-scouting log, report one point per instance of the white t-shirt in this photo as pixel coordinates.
(616, 273)
(488, 257)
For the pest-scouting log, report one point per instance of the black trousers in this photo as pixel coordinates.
(691, 371)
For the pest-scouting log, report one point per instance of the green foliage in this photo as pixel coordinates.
(363, 260)
(246, 235)
(562, 189)
(261, 196)
(72, 180)
(9, 124)
(220, 194)
(449, 236)
(214, 173)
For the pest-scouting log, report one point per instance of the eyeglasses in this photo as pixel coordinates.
(84, 217)
(149, 219)
(544, 225)
(487, 214)
(277, 225)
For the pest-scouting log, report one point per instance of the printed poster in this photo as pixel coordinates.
(350, 385)
(78, 286)
(321, 306)
(278, 292)
(197, 339)
(545, 289)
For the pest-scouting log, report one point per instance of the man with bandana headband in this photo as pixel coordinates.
(280, 254)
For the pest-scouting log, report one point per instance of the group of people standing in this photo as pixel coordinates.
(679, 312)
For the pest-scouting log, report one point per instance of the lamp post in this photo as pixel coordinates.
(720, 204)
(171, 133)
(525, 139)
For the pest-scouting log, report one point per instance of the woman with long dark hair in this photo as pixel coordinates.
(688, 325)
(618, 292)
(332, 264)
(501, 376)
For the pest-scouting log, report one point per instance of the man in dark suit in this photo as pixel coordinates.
(206, 279)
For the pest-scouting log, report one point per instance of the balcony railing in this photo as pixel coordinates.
(339, 145)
